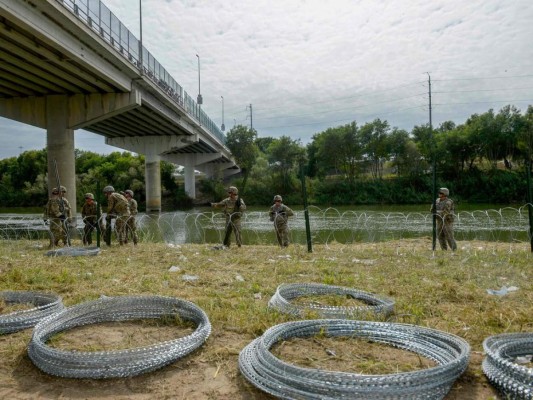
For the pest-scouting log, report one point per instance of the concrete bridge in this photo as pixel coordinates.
(71, 64)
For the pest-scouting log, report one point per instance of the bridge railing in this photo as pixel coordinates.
(102, 21)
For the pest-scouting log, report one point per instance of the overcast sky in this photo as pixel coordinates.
(306, 65)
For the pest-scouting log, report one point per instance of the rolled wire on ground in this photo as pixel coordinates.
(288, 381)
(45, 304)
(116, 363)
(513, 380)
(74, 251)
(289, 291)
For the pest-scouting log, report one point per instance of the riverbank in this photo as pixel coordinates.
(437, 290)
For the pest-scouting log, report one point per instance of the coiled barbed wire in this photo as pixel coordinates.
(45, 304)
(73, 251)
(288, 381)
(116, 363)
(286, 292)
(513, 380)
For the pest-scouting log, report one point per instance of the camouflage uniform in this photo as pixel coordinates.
(445, 215)
(90, 218)
(117, 207)
(131, 225)
(233, 208)
(58, 212)
(279, 214)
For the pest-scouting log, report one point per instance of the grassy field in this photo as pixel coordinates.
(439, 290)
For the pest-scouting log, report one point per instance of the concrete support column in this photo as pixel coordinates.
(152, 180)
(152, 147)
(190, 181)
(190, 161)
(60, 147)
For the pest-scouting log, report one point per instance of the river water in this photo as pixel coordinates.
(334, 224)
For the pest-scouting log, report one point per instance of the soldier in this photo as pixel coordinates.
(90, 218)
(117, 207)
(445, 214)
(233, 208)
(58, 213)
(131, 226)
(279, 214)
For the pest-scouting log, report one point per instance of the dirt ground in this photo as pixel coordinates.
(212, 372)
(195, 376)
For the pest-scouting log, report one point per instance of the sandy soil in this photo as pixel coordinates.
(196, 376)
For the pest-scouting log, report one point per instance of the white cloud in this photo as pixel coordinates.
(309, 64)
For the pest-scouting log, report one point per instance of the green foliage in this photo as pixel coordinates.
(371, 164)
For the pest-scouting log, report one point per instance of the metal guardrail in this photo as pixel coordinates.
(102, 21)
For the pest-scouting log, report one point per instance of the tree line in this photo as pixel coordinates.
(485, 159)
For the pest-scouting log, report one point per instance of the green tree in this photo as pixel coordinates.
(374, 138)
(284, 154)
(241, 142)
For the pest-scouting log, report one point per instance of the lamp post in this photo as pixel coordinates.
(141, 36)
(199, 100)
(222, 127)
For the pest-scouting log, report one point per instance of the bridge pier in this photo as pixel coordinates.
(152, 147)
(152, 179)
(190, 161)
(60, 147)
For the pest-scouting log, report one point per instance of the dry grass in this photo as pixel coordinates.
(437, 290)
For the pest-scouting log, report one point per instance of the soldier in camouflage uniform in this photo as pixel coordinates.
(58, 213)
(445, 214)
(279, 214)
(233, 208)
(131, 226)
(117, 207)
(90, 218)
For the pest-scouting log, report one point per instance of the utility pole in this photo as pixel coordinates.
(251, 123)
(434, 169)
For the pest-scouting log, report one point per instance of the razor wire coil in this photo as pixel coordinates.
(73, 251)
(286, 292)
(288, 381)
(45, 304)
(116, 363)
(513, 380)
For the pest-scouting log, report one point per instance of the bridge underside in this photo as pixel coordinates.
(59, 75)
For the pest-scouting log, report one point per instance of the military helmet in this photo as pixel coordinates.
(129, 192)
(109, 189)
(233, 189)
(55, 191)
(444, 191)
(277, 197)
(89, 196)
(63, 189)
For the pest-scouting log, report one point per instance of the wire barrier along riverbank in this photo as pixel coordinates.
(289, 381)
(509, 225)
(285, 293)
(45, 304)
(501, 365)
(116, 363)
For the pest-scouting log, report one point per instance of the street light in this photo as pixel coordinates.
(199, 99)
(223, 127)
(141, 36)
